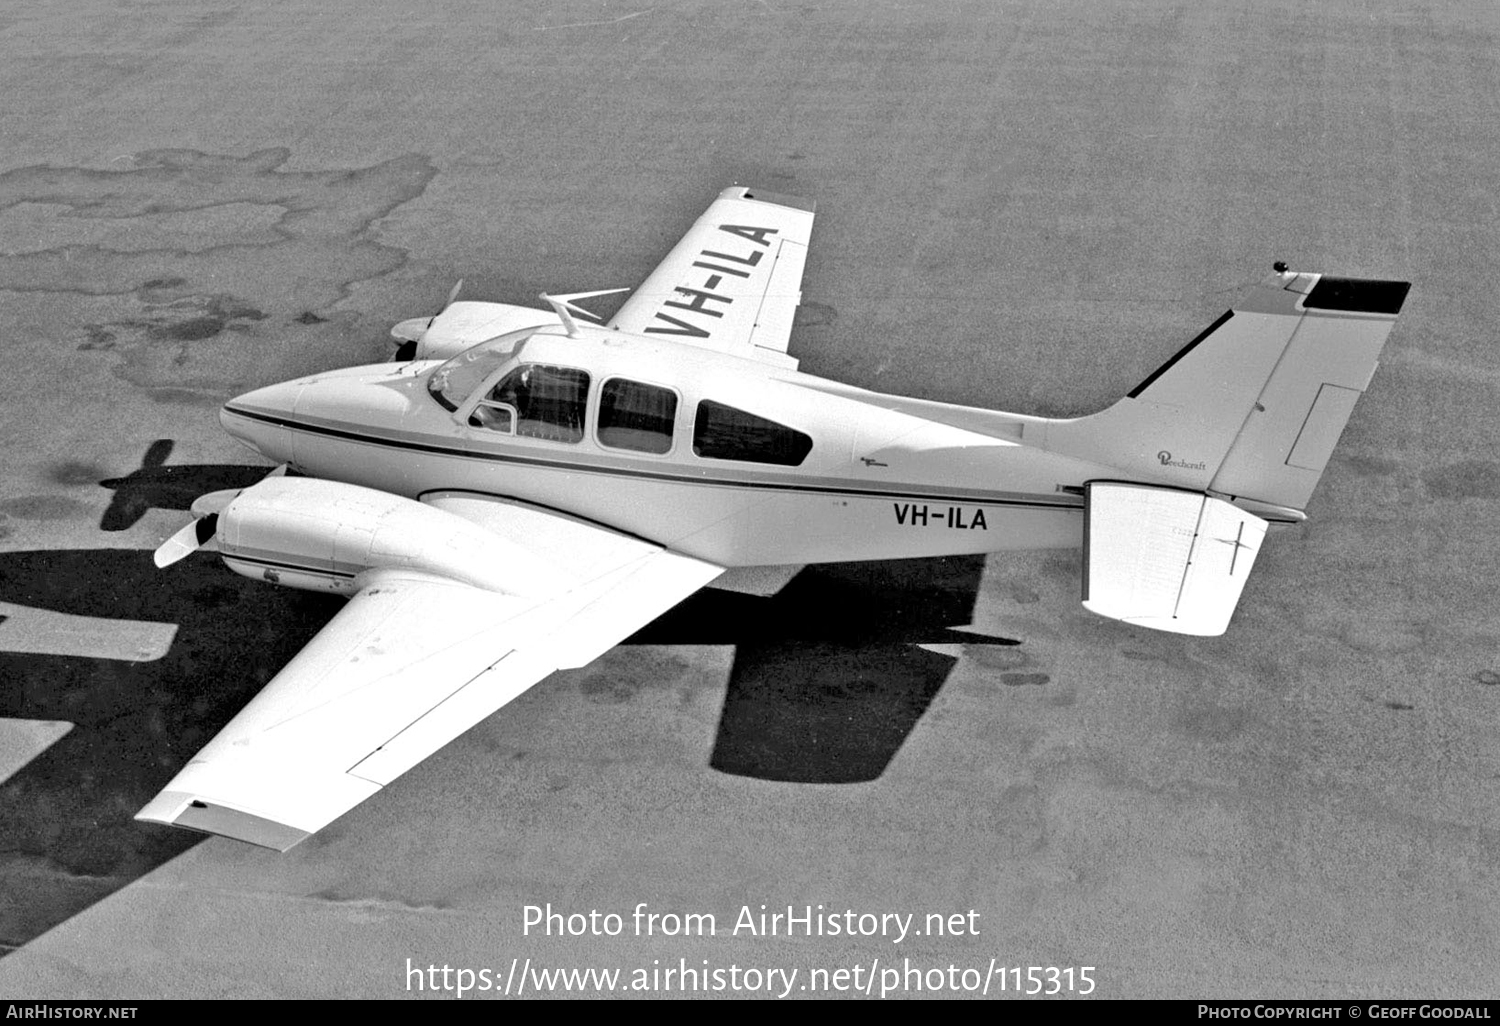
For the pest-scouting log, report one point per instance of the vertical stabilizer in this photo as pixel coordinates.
(1253, 407)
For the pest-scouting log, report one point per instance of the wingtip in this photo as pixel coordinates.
(766, 196)
(192, 812)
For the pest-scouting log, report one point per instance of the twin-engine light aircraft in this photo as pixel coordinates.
(521, 491)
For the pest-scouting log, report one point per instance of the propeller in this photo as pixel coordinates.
(186, 541)
(202, 531)
(409, 334)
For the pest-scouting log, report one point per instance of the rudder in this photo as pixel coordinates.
(1286, 441)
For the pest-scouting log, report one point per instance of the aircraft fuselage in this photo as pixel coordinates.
(875, 484)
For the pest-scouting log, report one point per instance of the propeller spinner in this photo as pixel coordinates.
(200, 533)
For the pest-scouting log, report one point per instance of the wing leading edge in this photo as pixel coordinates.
(733, 282)
(412, 661)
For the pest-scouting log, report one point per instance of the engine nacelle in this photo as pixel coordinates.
(318, 535)
(466, 324)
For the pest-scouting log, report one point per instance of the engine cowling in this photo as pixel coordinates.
(465, 324)
(320, 535)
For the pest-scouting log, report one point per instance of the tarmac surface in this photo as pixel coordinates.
(1021, 205)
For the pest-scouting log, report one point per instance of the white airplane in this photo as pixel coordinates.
(521, 491)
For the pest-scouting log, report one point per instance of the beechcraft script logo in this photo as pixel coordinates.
(718, 266)
(1165, 457)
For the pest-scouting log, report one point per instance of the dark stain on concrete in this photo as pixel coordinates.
(1489, 678)
(1470, 479)
(206, 317)
(608, 690)
(612, 683)
(998, 658)
(308, 317)
(810, 315)
(1371, 466)
(183, 319)
(156, 345)
(1021, 595)
(43, 507)
(96, 337)
(1019, 820)
(1212, 723)
(1066, 565)
(191, 330)
(322, 229)
(1016, 680)
(76, 472)
(1399, 706)
(344, 896)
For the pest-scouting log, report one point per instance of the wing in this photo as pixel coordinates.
(1166, 559)
(412, 661)
(734, 280)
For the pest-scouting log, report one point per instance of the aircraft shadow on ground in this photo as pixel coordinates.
(156, 485)
(66, 817)
(827, 683)
(828, 679)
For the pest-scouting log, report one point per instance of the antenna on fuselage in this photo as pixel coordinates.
(563, 304)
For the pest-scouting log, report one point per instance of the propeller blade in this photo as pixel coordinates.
(409, 333)
(187, 541)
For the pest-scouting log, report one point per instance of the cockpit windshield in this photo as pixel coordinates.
(457, 379)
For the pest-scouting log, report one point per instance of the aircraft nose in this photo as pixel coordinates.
(259, 419)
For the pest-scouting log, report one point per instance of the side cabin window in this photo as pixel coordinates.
(724, 433)
(635, 416)
(537, 401)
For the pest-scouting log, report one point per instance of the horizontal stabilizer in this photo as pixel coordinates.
(1166, 559)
